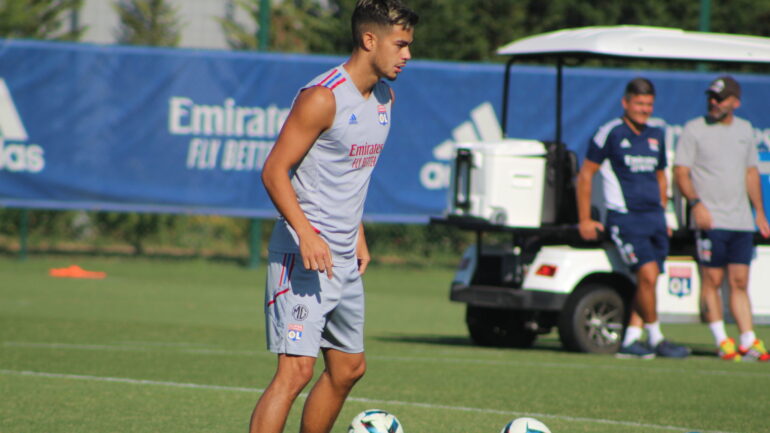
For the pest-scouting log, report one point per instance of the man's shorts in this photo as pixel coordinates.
(641, 237)
(718, 248)
(305, 311)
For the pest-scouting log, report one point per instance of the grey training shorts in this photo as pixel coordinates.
(305, 311)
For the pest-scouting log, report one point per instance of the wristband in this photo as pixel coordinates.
(694, 203)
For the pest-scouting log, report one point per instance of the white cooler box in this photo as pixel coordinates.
(503, 182)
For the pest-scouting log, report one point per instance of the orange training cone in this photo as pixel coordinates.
(75, 271)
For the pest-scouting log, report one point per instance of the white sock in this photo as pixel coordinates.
(718, 329)
(633, 333)
(748, 338)
(654, 332)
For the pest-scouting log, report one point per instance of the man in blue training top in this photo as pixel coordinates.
(630, 154)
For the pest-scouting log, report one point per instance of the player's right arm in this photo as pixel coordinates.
(700, 212)
(313, 113)
(587, 226)
(686, 153)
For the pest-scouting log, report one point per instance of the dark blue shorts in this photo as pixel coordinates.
(641, 237)
(718, 248)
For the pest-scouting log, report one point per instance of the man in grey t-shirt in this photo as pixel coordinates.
(716, 170)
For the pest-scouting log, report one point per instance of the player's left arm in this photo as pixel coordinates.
(662, 186)
(754, 189)
(660, 171)
(362, 250)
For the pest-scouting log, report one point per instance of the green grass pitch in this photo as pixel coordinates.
(178, 346)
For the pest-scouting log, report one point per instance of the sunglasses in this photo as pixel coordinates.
(716, 97)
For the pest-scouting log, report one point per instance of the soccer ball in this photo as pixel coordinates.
(525, 425)
(375, 421)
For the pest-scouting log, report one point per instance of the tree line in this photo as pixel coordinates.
(465, 30)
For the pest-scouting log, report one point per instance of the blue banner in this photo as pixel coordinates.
(168, 130)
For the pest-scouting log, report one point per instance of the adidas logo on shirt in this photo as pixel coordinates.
(353, 120)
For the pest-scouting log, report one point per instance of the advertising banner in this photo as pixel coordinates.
(187, 131)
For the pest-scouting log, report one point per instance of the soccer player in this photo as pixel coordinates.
(716, 170)
(630, 153)
(317, 175)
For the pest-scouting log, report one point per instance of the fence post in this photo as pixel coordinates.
(263, 43)
(255, 242)
(263, 34)
(704, 25)
(23, 234)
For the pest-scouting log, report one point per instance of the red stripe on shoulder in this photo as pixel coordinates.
(331, 74)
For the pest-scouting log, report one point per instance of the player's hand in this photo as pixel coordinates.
(589, 229)
(702, 217)
(362, 254)
(764, 228)
(315, 253)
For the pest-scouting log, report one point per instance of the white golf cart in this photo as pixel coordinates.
(542, 274)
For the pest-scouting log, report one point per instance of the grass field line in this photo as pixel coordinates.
(163, 344)
(125, 380)
(636, 366)
(180, 348)
(133, 347)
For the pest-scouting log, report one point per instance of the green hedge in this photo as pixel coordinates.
(205, 236)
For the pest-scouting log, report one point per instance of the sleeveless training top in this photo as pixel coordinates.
(332, 179)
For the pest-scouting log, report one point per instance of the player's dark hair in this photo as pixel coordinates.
(380, 13)
(639, 86)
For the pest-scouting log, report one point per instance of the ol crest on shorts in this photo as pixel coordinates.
(295, 332)
(299, 313)
(382, 115)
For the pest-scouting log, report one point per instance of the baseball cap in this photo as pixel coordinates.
(723, 87)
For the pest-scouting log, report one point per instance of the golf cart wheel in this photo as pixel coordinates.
(498, 328)
(592, 320)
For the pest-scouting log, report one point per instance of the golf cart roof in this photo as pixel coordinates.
(643, 43)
